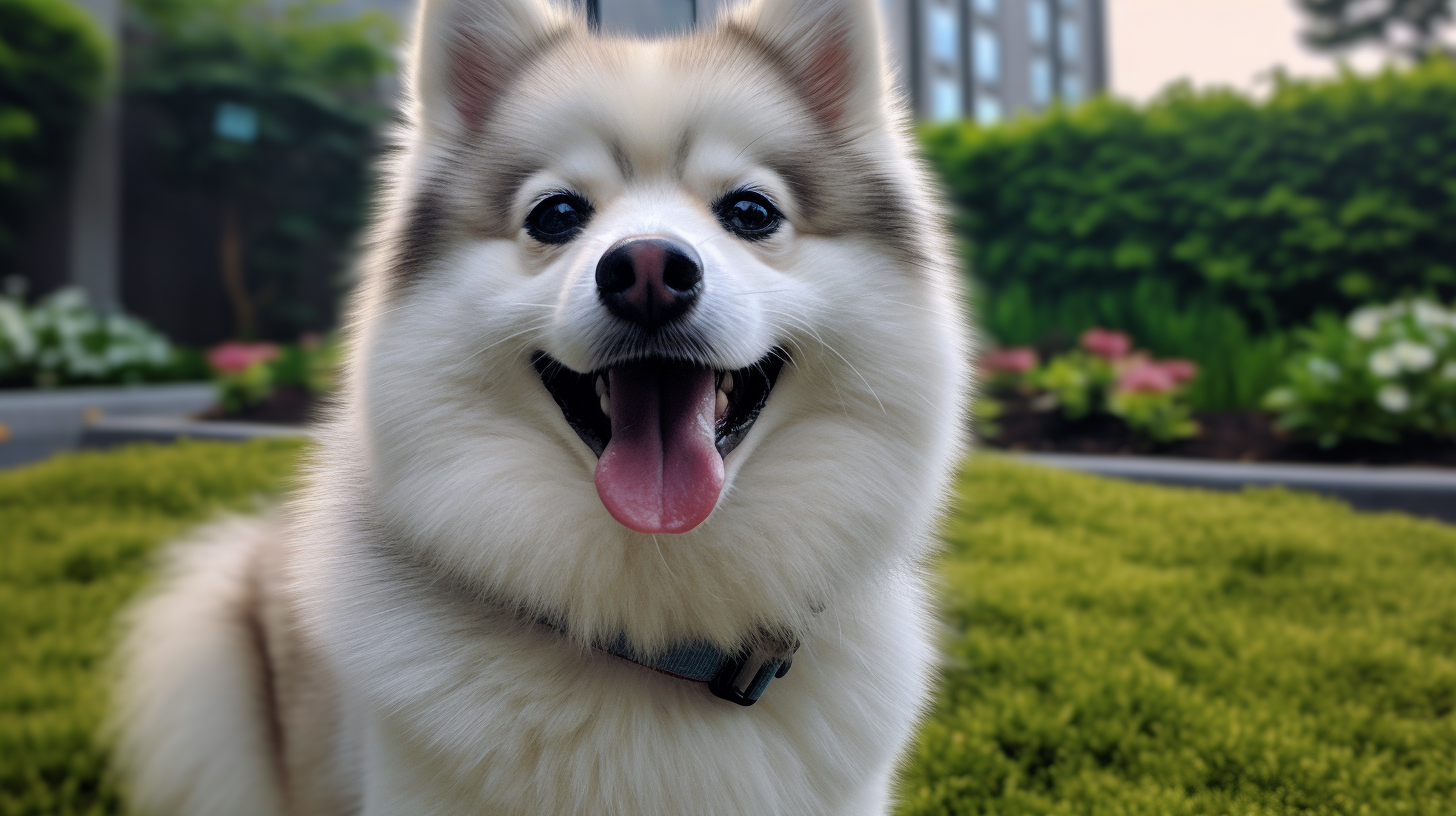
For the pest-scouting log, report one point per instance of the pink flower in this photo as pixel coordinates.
(1128, 362)
(1106, 343)
(1015, 361)
(234, 357)
(1151, 378)
(1181, 371)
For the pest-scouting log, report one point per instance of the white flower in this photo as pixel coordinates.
(1430, 315)
(1365, 323)
(1384, 363)
(1281, 399)
(1413, 357)
(14, 332)
(62, 338)
(1449, 371)
(1322, 369)
(69, 299)
(1394, 399)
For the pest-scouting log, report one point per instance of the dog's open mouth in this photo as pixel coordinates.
(660, 429)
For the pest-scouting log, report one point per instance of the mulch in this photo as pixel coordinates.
(1246, 436)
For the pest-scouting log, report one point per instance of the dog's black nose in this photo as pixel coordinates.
(649, 281)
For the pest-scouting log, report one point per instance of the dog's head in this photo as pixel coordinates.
(659, 335)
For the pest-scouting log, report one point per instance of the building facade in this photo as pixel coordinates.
(980, 59)
(988, 59)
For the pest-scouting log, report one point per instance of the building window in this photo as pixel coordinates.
(646, 18)
(988, 56)
(1041, 81)
(986, 7)
(1070, 40)
(988, 109)
(1039, 21)
(944, 42)
(945, 99)
(1071, 88)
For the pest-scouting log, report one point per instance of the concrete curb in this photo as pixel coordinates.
(1429, 492)
(38, 423)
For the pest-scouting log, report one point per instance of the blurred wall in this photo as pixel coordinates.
(171, 273)
(43, 255)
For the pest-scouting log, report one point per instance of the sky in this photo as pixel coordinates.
(1212, 42)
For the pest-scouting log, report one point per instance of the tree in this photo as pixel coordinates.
(52, 65)
(273, 110)
(1412, 27)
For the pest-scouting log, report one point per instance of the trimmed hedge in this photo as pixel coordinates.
(52, 63)
(1113, 648)
(1327, 195)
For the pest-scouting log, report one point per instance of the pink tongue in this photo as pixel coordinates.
(661, 473)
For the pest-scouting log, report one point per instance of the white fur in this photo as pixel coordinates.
(450, 502)
(190, 664)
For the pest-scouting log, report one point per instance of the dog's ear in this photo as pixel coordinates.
(832, 49)
(467, 52)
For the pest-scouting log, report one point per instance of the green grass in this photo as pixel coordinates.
(1139, 650)
(76, 535)
(1119, 649)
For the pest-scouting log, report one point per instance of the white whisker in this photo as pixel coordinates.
(531, 328)
(819, 339)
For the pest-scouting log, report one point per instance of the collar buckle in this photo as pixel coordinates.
(743, 677)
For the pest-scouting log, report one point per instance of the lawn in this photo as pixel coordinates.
(1111, 648)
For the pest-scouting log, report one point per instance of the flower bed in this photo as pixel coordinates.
(266, 382)
(1376, 388)
(1239, 436)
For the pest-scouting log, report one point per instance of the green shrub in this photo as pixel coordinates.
(1324, 196)
(1386, 375)
(52, 63)
(1112, 648)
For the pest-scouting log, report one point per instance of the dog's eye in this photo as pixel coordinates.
(557, 219)
(749, 214)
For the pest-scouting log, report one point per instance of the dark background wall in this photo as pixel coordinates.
(42, 255)
(170, 273)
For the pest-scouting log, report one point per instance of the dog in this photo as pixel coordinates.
(655, 386)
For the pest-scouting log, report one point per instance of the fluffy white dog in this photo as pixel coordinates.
(655, 386)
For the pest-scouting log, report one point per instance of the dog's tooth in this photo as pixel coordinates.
(601, 386)
(727, 385)
(606, 405)
(722, 405)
